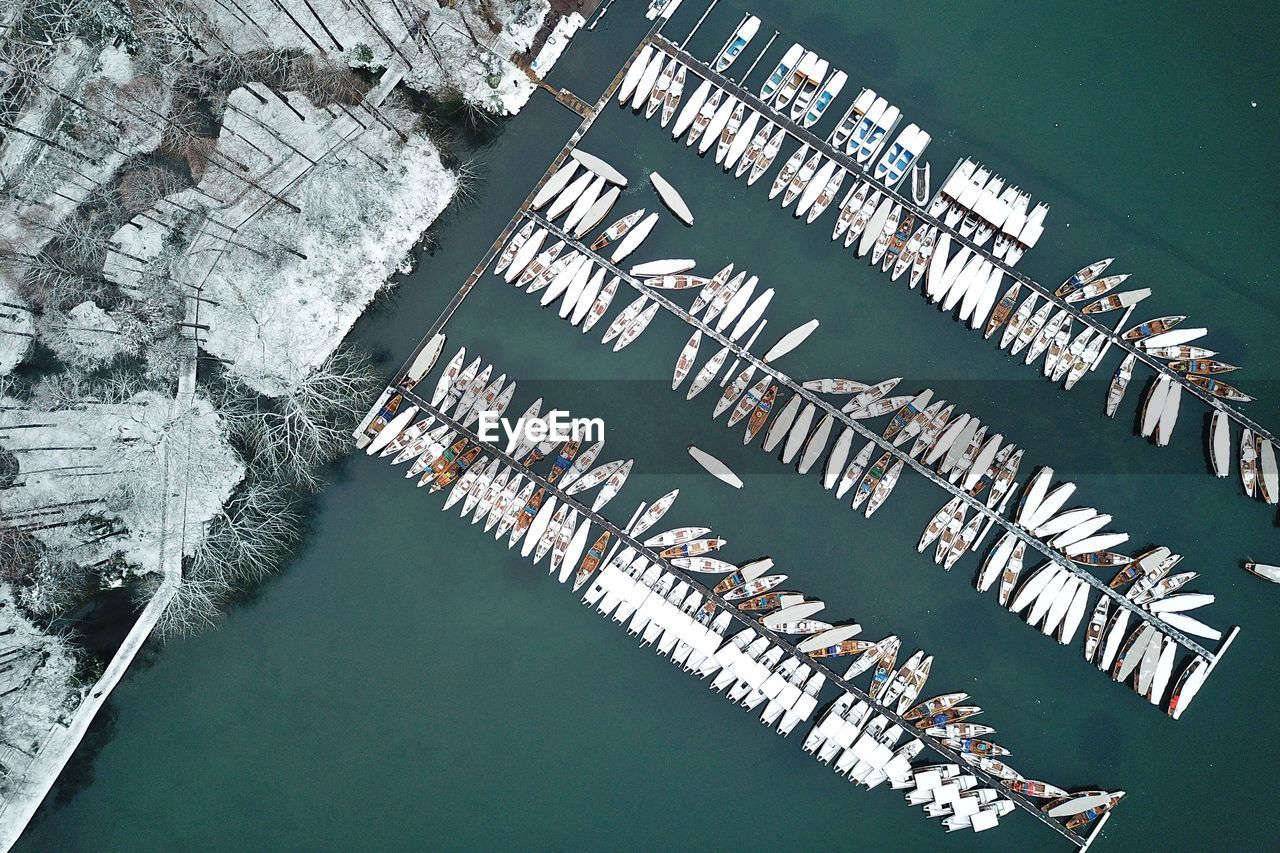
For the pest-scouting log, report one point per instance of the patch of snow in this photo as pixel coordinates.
(111, 457)
(16, 328)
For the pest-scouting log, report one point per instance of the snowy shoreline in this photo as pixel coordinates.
(300, 210)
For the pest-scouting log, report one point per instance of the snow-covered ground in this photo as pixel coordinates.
(38, 669)
(274, 316)
(443, 49)
(121, 448)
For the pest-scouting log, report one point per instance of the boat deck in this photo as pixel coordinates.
(745, 621)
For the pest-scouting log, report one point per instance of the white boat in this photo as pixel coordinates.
(828, 93)
(790, 341)
(565, 200)
(875, 225)
(900, 156)
(714, 467)
(690, 109)
(598, 166)
(793, 80)
(781, 72)
(813, 77)
(814, 188)
(862, 130)
(740, 39)
(1220, 443)
(920, 182)
(555, 184)
(743, 139)
(671, 198)
(852, 117)
(1029, 235)
(644, 88)
(632, 78)
(719, 121)
(876, 137)
(634, 237)
(666, 266)
(597, 212)
(584, 203)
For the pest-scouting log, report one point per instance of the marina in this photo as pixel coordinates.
(621, 537)
(402, 659)
(542, 221)
(1112, 336)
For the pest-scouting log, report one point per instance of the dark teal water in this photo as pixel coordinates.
(406, 683)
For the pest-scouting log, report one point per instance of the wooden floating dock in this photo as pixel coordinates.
(846, 162)
(745, 621)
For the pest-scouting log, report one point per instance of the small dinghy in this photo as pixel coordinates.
(715, 467)
(671, 198)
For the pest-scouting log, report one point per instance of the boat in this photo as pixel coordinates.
(597, 212)
(688, 356)
(636, 327)
(814, 187)
(1268, 482)
(599, 167)
(595, 477)
(795, 78)
(781, 72)
(909, 252)
(1187, 685)
(974, 746)
(694, 548)
(933, 706)
(789, 170)
(815, 443)
(852, 118)
(735, 137)
(1128, 299)
(920, 182)
(1083, 277)
(665, 267)
(625, 318)
(601, 304)
(870, 120)
(671, 198)
(748, 401)
(513, 246)
(885, 235)
(646, 88)
(634, 237)
(828, 93)
(752, 150)
(1219, 389)
(1153, 327)
(884, 487)
(767, 155)
(1201, 366)
(862, 217)
(713, 135)
(1094, 288)
(901, 155)
(706, 114)
(754, 587)
(612, 486)
(801, 179)
(790, 341)
(1264, 571)
(760, 414)
(691, 108)
(714, 467)
(617, 229)
(672, 98)
(740, 39)
(1182, 352)
(812, 75)
(829, 189)
(632, 78)
(1093, 813)
(950, 715)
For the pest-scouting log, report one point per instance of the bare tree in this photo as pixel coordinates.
(291, 436)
